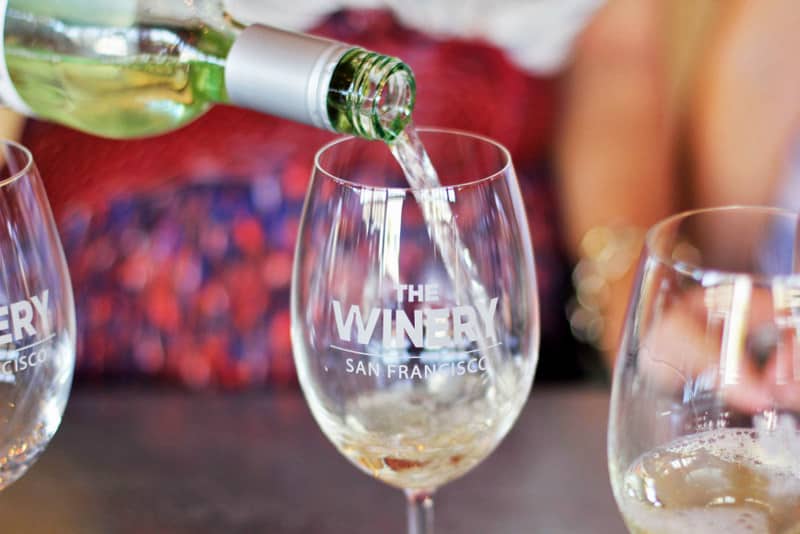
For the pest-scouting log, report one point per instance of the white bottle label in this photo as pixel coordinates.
(8, 94)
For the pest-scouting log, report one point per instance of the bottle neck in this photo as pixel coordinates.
(320, 82)
(370, 95)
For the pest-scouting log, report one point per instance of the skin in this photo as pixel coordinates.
(638, 142)
(615, 138)
(11, 124)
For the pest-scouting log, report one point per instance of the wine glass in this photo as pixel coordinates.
(414, 310)
(703, 432)
(37, 318)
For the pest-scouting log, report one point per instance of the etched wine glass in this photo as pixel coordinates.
(37, 318)
(414, 309)
(703, 432)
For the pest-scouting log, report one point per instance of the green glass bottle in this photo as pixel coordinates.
(133, 68)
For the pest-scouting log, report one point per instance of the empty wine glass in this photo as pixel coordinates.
(703, 432)
(37, 321)
(415, 342)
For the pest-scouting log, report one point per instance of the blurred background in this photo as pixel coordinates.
(617, 114)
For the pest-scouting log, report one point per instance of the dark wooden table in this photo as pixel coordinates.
(151, 462)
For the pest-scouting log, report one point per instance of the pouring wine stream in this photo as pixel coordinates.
(433, 200)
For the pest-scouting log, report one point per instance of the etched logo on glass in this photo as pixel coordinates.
(415, 343)
(25, 327)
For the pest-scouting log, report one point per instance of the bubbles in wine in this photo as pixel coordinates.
(723, 480)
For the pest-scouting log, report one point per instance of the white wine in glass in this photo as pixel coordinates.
(703, 433)
(414, 310)
(717, 481)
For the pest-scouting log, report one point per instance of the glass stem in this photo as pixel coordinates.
(420, 511)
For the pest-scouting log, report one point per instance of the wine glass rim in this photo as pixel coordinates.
(25, 169)
(697, 271)
(501, 172)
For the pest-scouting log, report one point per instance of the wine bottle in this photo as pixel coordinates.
(133, 68)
